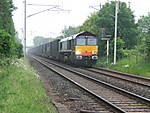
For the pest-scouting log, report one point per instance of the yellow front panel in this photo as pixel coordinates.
(87, 50)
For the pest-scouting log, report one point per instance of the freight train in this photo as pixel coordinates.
(79, 49)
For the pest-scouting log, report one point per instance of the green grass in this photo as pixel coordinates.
(21, 91)
(133, 66)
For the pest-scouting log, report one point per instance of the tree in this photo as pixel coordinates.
(6, 21)
(39, 40)
(104, 18)
(120, 48)
(144, 35)
(9, 46)
(59, 37)
(127, 28)
(68, 31)
(5, 44)
(92, 24)
(17, 49)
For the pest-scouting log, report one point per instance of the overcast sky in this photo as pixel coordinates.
(50, 23)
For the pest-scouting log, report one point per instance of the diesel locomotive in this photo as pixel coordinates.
(79, 49)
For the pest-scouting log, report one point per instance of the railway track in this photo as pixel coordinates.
(130, 77)
(132, 83)
(117, 99)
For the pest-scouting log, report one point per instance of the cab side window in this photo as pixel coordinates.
(69, 44)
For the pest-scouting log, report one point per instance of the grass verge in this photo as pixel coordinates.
(134, 65)
(131, 65)
(21, 91)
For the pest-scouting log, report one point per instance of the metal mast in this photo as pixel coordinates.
(115, 38)
(24, 49)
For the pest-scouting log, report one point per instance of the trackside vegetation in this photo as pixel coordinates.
(141, 67)
(9, 47)
(134, 64)
(133, 37)
(21, 91)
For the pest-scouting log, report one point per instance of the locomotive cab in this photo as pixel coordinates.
(80, 49)
(86, 50)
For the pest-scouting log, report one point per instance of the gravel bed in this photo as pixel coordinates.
(104, 91)
(145, 92)
(64, 92)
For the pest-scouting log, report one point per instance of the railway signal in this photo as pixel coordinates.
(107, 38)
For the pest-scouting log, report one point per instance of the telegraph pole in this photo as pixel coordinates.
(115, 41)
(24, 47)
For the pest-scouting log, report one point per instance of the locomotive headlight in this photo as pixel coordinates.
(94, 52)
(77, 52)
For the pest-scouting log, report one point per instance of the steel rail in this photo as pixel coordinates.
(116, 108)
(125, 79)
(122, 73)
(145, 100)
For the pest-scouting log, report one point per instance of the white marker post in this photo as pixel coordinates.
(107, 54)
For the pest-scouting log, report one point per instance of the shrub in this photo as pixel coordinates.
(5, 44)
(9, 48)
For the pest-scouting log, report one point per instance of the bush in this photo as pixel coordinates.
(17, 49)
(5, 44)
(9, 46)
